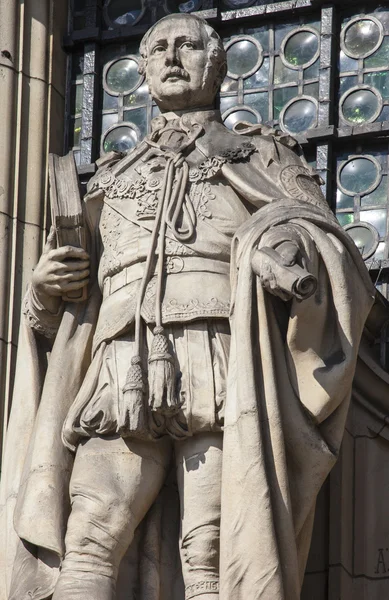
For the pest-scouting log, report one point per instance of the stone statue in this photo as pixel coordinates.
(169, 435)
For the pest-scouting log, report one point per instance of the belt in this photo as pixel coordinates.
(173, 264)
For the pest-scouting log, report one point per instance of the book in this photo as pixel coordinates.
(66, 209)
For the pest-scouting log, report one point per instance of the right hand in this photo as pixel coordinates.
(59, 271)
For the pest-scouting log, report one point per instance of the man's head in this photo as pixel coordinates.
(184, 62)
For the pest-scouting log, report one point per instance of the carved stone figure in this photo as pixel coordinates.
(169, 436)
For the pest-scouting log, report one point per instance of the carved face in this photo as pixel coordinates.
(177, 59)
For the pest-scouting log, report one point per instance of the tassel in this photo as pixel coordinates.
(162, 376)
(131, 418)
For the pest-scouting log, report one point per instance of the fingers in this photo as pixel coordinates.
(289, 252)
(68, 252)
(71, 265)
(51, 241)
(62, 287)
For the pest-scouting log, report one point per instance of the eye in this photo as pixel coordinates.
(158, 49)
(188, 46)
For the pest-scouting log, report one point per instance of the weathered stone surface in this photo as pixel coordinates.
(191, 409)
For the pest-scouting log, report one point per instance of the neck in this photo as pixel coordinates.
(202, 115)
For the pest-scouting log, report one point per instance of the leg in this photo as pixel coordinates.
(113, 484)
(199, 462)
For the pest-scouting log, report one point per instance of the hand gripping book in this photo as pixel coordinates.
(66, 209)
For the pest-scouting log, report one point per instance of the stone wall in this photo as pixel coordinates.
(32, 108)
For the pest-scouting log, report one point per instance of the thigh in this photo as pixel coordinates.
(113, 484)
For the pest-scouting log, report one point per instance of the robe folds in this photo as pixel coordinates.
(289, 383)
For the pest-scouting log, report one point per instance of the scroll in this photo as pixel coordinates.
(66, 209)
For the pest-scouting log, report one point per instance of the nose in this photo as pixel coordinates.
(171, 56)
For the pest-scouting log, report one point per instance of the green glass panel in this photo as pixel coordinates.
(261, 34)
(108, 121)
(77, 123)
(380, 58)
(361, 37)
(377, 218)
(360, 106)
(239, 115)
(282, 74)
(380, 252)
(380, 81)
(109, 101)
(343, 201)
(358, 175)
(109, 53)
(280, 31)
(260, 78)
(346, 63)
(345, 218)
(120, 15)
(76, 99)
(281, 97)
(120, 139)
(140, 96)
(346, 83)
(226, 103)
(301, 48)
(229, 85)
(155, 112)
(312, 72)
(138, 117)
(242, 57)
(384, 116)
(300, 116)
(123, 75)
(377, 196)
(259, 101)
(312, 89)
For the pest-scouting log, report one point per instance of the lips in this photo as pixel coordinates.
(175, 73)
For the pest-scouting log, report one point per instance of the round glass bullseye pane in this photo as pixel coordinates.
(360, 106)
(358, 175)
(120, 139)
(123, 76)
(301, 48)
(240, 115)
(365, 238)
(242, 57)
(362, 38)
(299, 116)
(119, 13)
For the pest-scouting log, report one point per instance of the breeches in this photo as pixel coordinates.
(114, 483)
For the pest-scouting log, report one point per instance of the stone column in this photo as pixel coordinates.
(32, 92)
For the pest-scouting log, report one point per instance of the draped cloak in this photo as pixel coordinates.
(289, 383)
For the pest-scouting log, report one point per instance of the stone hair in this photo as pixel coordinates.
(216, 53)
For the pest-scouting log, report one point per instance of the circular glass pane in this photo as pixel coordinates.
(363, 238)
(301, 48)
(299, 116)
(119, 14)
(240, 115)
(242, 57)
(358, 175)
(123, 75)
(362, 38)
(120, 139)
(360, 106)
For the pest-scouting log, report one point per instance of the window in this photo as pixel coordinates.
(317, 71)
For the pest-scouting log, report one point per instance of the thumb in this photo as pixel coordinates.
(51, 242)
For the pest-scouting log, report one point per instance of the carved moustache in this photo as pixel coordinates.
(174, 72)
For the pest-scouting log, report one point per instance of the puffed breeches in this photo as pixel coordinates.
(114, 483)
